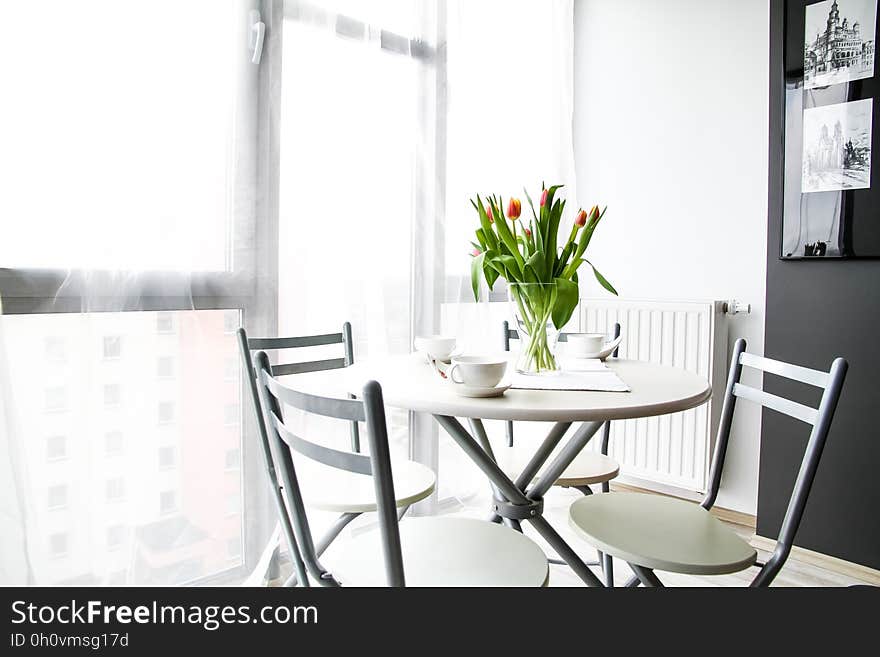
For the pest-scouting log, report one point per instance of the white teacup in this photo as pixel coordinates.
(438, 347)
(477, 371)
(585, 344)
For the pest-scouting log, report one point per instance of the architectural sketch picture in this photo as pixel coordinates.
(837, 147)
(839, 42)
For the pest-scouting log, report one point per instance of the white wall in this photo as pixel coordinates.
(670, 131)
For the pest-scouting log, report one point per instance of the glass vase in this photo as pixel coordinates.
(532, 305)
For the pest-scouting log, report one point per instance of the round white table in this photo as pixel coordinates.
(409, 382)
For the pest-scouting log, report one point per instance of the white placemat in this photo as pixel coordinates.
(587, 374)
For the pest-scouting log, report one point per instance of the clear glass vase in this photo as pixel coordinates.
(532, 305)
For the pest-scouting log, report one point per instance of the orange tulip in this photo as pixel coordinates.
(514, 208)
(581, 219)
(527, 232)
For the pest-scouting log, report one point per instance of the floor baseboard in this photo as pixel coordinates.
(826, 561)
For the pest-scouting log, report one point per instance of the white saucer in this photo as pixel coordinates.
(479, 391)
(601, 355)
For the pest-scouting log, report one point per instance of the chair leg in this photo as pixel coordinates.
(607, 568)
(645, 575)
(604, 559)
(510, 434)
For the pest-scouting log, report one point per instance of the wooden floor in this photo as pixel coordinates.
(556, 503)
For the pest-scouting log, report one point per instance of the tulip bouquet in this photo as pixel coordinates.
(542, 275)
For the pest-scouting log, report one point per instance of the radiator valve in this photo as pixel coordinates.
(734, 307)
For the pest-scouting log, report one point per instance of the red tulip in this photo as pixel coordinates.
(475, 252)
(489, 214)
(594, 213)
(527, 232)
(514, 208)
(543, 198)
(581, 219)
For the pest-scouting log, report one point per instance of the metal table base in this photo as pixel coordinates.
(522, 500)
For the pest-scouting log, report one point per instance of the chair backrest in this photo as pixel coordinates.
(819, 419)
(283, 369)
(283, 443)
(246, 345)
(512, 334)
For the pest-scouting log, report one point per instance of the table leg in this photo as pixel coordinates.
(479, 432)
(564, 550)
(478, 455)
(566, 455)
(517, 504)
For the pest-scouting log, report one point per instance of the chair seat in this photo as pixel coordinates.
(587, 468)
(444, 552)
(660, 532)
(330, 489)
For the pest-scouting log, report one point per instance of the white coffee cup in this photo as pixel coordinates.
(585, 344)
(477, 371)
(438, 347)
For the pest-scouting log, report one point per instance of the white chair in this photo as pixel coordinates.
(419, 551)
(654, 532)
(331, 489)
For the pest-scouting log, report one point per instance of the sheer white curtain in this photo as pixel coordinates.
(128, 177)
(139, 232)
(394, 115)
(509, 126)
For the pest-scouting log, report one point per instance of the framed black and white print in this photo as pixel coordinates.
(831, 195)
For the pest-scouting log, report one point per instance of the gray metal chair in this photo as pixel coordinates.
(656, 532)
(340, 492)
(420, 551)
(588, 468)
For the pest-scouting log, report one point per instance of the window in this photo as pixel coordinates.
(58, 544)
(113, 443)
(231, 320)
(115, 536)
(166, 412)
(167, 458)
(161, 220)
(57, 496)
(56, 350)
(164, 323)
(112, 347)
(233, 504)
(56, 448)
(231, 414)
(167, 502)
(72, 146)
(56, 399)
(112, 395)
(233, 548)
(233, 459)
(230, 369)
(114, 490)
(165, 367)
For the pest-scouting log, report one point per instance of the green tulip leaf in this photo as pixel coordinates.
(491, 275)
(602, 280)
(476, 270)
(536, 262)
(566, 302)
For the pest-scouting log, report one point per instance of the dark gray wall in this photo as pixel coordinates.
(816, 311)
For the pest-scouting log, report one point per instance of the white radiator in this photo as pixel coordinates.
(671, 451)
